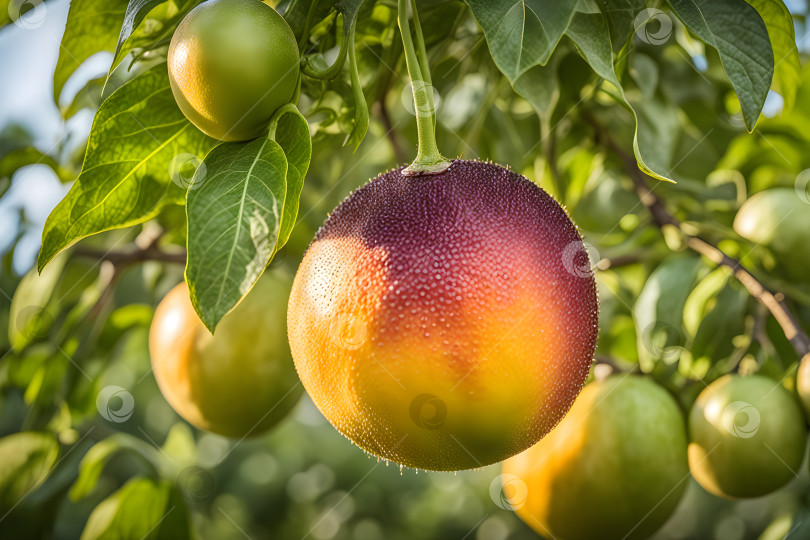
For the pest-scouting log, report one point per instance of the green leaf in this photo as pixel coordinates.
(89, 97)
(5, 16)
(522, 33)
(237, 207)
(26, 460)
(144, 509)
(29, 316)
(136, 12)
(149, 25)
(787, 71)
(296, 14)
(23, 157)
(138, 142)
(292, 134)
(658, 312)
(100, 454)
(656, 124)
(358, 133)
(621, 15)
(539, 86)
(740, 36)
(713, 315)
(92, 26)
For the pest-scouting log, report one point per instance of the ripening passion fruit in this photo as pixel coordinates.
(238, 382)
(445, 321)
(615, 468)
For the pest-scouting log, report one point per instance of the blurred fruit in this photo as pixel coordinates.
(746, 436)
(238, 382)
(803, 384)
(445, 321)
(614, 468)
(779, 220)
(232, 63)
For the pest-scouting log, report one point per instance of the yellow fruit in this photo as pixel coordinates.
(232, 64)
(614, 468)
(241, 380)
(445, 322)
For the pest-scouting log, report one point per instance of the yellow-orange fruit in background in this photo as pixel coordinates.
(445, 321)
(238, 382)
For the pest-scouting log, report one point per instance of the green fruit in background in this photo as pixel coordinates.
(614, 468)
(239, 381)
(232, 64)
(780, 220)
(746, 437)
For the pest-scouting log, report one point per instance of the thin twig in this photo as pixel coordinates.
(131, 256)
(773, 301)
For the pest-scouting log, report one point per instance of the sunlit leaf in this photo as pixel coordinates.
(26, 460)
(92, 26)
(143, 509)
(138, 142)
(740, 36)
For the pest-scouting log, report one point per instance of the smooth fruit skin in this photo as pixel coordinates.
(232, 63)
(445, 321)
(803, 384)
(238, 382)
(614, 468)
(746, 437)
(779, 220)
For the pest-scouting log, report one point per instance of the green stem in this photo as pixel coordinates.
(428, 159)
(423, 58)
(313, 7)
(281, 111)
(332, 71)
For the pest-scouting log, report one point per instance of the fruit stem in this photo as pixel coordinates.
(281, 111)
(428, 159)
(423, 58)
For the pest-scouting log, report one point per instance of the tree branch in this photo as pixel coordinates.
(775, 302)
(125, 258)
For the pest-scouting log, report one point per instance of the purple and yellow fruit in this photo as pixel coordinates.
(445, 321)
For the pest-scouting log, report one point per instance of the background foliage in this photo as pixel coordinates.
(92, 448)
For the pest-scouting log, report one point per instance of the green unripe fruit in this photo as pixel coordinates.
(614, 468)
(232, 64)
(746, 437)
(779, 220)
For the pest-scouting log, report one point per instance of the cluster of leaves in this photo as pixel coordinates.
(530, 83)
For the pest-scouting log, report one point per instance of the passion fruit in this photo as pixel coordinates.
(232, 64)
(238, 382)
(779, 220)
(615, 468)
(445, 321)
(747, 436)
